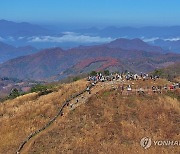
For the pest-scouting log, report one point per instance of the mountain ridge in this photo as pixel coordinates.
(8, 52)
(15, 29)
(54, 61)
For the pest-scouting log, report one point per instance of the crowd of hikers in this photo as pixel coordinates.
(123, 77)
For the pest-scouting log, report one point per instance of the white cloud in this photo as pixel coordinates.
(20, 38)
(150, 39)
(70, 37)
(70, 33)
(156, 38)
(172, 39)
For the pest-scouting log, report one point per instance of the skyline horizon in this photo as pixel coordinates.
(89, 13)
(86, 25)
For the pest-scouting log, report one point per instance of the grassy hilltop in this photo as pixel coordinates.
(104, 121)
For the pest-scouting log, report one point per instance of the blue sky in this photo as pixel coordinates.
(93, 12)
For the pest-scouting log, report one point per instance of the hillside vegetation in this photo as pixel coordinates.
(171, 72)
(25, 114)
(105, 121)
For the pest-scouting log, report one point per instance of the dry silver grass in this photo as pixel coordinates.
(25, 114)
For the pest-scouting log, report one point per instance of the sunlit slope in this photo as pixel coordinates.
(112, 123)
(104, 121)
(25, 114)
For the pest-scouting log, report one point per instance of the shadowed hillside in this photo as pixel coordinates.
(104, 121)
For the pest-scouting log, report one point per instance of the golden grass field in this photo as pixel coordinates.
(108, 122)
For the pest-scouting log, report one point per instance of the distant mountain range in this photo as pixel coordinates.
(131, 32)
(13, 29)
(168, 45)
(8, 51)
(86, 50)
(134, 44)
(167, 38)
(23, 34)
(133, 55)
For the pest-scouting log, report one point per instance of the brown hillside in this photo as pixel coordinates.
(171, 72)
(25, 114)
(104, 121)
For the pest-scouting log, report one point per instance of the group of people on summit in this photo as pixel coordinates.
(99, 77)
(121, 77)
